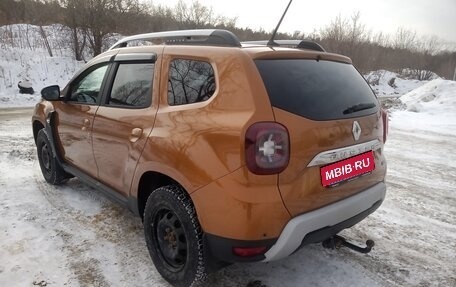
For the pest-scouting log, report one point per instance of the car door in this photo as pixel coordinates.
(125, 118)
(75, 118)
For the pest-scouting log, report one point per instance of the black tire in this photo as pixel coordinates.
(174, 237)
(50, 168)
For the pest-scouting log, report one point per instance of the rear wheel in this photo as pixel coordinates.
(50, 168)
(174, 236)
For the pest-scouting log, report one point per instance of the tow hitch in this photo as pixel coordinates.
(336, 242)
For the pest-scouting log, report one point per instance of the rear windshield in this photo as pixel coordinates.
(318, 90)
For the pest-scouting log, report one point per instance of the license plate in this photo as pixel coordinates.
(347, 168)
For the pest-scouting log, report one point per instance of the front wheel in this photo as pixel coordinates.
(51, 169)
(174, 236)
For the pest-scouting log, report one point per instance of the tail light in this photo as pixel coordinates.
(385, 119)
(267, 148)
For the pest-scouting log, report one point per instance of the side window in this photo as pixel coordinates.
(132, 85)
(87, 88)
(190, 82)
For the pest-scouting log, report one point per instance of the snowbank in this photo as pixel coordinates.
(390, 84)
(437, 95)
(431, 107)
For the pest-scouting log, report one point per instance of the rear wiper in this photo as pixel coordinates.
(359, 107)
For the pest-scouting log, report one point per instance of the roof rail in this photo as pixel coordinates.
(300, 44)
(206, 37)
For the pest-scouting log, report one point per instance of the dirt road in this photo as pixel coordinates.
(73, 236)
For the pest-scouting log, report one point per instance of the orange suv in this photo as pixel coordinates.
(229, 151)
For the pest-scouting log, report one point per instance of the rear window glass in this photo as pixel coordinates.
(318, 90)
(190, 82)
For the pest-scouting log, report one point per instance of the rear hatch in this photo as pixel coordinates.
(319, 101)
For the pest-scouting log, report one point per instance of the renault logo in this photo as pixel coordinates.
(356, 130)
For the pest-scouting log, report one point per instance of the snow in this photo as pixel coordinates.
(71, 235)
(37, 68)
(63, 236)
(379, 81)
(435, 96)
(24, 57)
(431, 108)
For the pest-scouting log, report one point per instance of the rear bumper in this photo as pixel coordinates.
(324, 222)
(311, 227)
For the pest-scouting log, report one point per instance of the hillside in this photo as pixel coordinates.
(25, 57)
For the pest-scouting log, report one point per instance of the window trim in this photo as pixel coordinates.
(136, 57)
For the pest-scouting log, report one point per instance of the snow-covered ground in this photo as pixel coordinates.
(73, 236)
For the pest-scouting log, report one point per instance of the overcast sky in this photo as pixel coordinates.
(426, 17)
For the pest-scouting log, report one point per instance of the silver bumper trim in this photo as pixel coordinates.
(297, 228)
(334, 155)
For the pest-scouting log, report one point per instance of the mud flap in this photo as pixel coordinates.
(50, 131)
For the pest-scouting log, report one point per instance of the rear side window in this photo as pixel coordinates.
(190, 82)
(318, 90)
(132, 85)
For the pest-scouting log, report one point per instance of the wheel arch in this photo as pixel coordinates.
(150, 181)
(37, 126)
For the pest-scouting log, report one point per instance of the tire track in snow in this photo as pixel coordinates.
(111, 226)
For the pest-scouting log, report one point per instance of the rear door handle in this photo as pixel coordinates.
(135, 134)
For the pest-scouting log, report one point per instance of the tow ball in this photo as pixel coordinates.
(336, 242)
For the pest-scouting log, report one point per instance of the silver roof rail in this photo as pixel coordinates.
(299, 44)
(206, 37)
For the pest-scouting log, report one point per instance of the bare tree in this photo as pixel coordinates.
(75, 13)
(357, 33)
(46, 42)
(336, 34)
(405, 39)
(159, 18)
(197, 15)
(429, 45)
(382, 39)
(96, 19)
(91, 24)
(347, 36)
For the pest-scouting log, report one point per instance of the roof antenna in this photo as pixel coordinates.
(271, 41)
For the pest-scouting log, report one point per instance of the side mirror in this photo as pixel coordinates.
(51, 93)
